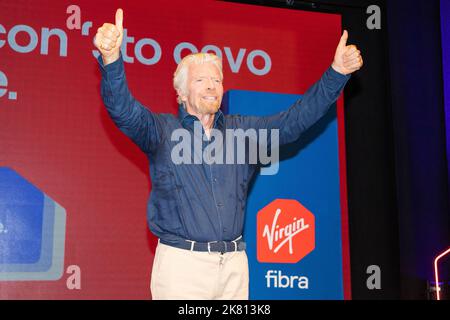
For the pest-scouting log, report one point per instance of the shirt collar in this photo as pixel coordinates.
(188, 119)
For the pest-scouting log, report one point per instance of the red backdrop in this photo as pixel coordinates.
(57, 134)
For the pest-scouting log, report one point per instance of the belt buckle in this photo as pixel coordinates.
(209, 245)
(225, 245)
(238, 245)
(192, 244)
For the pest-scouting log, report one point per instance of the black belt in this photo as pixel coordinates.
(211, 246)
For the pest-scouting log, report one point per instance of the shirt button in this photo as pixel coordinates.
(215, 179)
(220, 204)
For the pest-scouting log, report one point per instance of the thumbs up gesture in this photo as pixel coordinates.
(347, 58)
(109, 39)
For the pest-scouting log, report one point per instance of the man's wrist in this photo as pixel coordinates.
(110, 59)
(337, 69)
(112, 70)
(335, 79)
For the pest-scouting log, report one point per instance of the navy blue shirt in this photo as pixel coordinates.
(203, 202)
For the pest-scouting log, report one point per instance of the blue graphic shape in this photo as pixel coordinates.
(309, 173)
(26, 209)
(21, 208)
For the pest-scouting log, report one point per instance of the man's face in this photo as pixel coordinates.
(205, 89)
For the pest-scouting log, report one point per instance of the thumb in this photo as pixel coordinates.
(119, 19)
(344, 38)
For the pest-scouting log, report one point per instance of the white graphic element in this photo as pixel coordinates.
(279, 280)
(274, 233)
(86, 28)
(12, 95)
(234, 62)
(234, 57)
(34, 38)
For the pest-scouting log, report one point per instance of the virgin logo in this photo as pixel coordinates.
(285, 232)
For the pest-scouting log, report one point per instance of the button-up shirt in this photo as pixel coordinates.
(203, 201)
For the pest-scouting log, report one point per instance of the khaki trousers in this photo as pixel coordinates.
(180, 274)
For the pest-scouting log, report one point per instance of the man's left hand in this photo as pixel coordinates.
(347, 58)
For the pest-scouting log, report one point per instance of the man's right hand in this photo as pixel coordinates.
(109, 39)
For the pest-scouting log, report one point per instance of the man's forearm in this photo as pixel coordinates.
(306, 111)
(130, 116)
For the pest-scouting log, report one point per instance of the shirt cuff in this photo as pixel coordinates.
(336, 80)
(337, 75)
(113, 70)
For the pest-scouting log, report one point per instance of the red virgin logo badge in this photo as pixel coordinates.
(285, 232)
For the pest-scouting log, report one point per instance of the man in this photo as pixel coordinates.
(197, 209)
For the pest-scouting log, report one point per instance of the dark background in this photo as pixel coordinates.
(399, 215)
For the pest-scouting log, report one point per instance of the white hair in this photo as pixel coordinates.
(180, 75)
